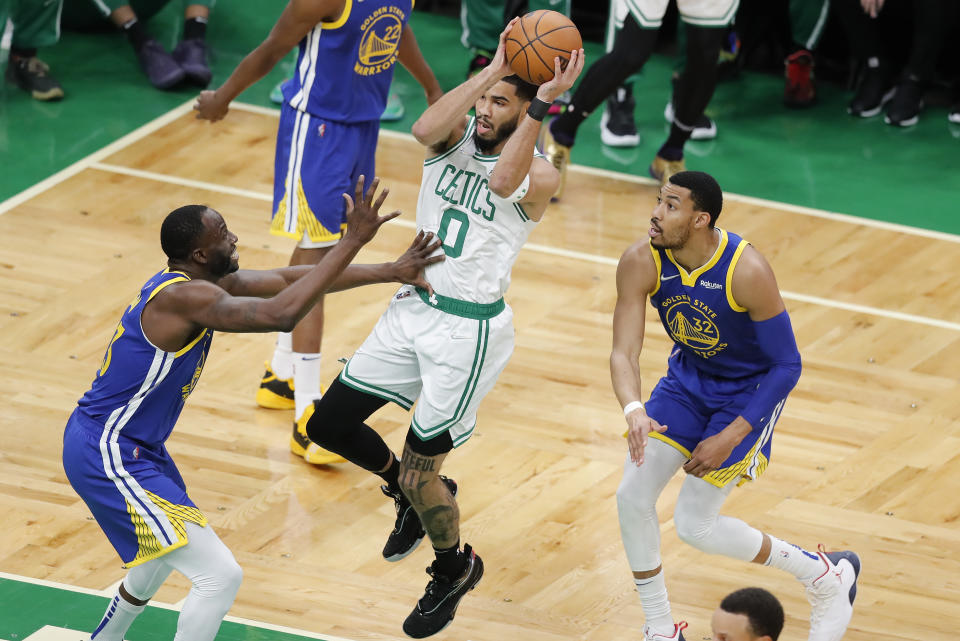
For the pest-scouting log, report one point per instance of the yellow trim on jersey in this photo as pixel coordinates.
(342, 20)
(184, 350)
(723, 476)
(149, 546)
(690, 279)
(656, 259)
(669, 441)
(160, 287)
(733, 264)
(306, 221)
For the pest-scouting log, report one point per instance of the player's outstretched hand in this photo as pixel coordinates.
(639, 425)
(408, 269)
(499, 63)
(363, 212)
(563, 77)
(210, 107)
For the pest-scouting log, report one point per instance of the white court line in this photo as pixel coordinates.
(103, 152)
(166, 606)
(543, 249)
(644, 180)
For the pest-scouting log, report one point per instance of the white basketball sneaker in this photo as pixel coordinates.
(678, 628)
(831, 595)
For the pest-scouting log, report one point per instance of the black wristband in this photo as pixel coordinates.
(538, 109)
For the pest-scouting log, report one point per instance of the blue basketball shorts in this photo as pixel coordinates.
(317, 161)
(695, 406)
(134, 491)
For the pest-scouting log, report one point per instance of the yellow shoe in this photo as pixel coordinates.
(557, 154)
(301, 445)
(662, 169)
(275, 393)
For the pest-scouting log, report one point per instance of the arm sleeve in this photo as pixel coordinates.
(776, 340)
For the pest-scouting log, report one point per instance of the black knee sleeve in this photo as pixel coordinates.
(338, 425)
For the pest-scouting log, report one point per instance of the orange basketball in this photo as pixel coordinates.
(536, 40)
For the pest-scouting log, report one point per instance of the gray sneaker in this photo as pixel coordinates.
(163, 71)
(191, 55)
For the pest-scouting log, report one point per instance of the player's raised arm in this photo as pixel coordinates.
(295, 22)
(636, 278)
(182, 308)
(407, 269)
(442, 124)
(517, 169)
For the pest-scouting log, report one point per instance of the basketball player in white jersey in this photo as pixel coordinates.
(484, 188)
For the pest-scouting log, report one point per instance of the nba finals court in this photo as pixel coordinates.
(866, 455)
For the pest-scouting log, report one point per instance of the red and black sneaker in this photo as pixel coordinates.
(800, 90)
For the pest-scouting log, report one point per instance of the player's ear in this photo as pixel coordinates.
(701, 219)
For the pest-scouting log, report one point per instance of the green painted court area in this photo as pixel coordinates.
(26, 608)
(819, 157)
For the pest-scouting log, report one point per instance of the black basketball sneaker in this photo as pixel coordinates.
(438, 605)
(407, 530)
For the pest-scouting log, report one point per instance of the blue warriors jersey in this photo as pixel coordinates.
(140, 389)
(344, 68)
(712, 332)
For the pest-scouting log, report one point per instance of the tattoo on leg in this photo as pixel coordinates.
(413, 461)
(442, 524)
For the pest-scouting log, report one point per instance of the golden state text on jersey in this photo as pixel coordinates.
(345, 66)
(700, 314)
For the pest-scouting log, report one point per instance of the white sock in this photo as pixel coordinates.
(306, 380)
(282, 361)
(117, 619)
(793, 559)
(656, 605)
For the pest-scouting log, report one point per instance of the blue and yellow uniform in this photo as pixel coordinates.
(330, 118)
(717, 363)
(113, 445)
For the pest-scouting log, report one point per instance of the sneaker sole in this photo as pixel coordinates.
(400, 557)
(909, 122)
(271, 401)
(870, 113)
(611, 139)
(48, 96)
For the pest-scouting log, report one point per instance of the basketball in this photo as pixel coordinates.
(536, 40)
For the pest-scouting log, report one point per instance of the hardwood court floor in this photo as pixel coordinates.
(866, 456)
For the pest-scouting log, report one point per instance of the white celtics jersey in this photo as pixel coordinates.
(481, 232)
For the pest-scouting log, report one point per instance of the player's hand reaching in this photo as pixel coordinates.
(363, 212)
(408, 269)
(563, 77)
(499, 65)
(210, 107)
(639, 425)
(710, 453)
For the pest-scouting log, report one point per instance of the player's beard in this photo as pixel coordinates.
(501, 133)
(223, 264)
(675, 240)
